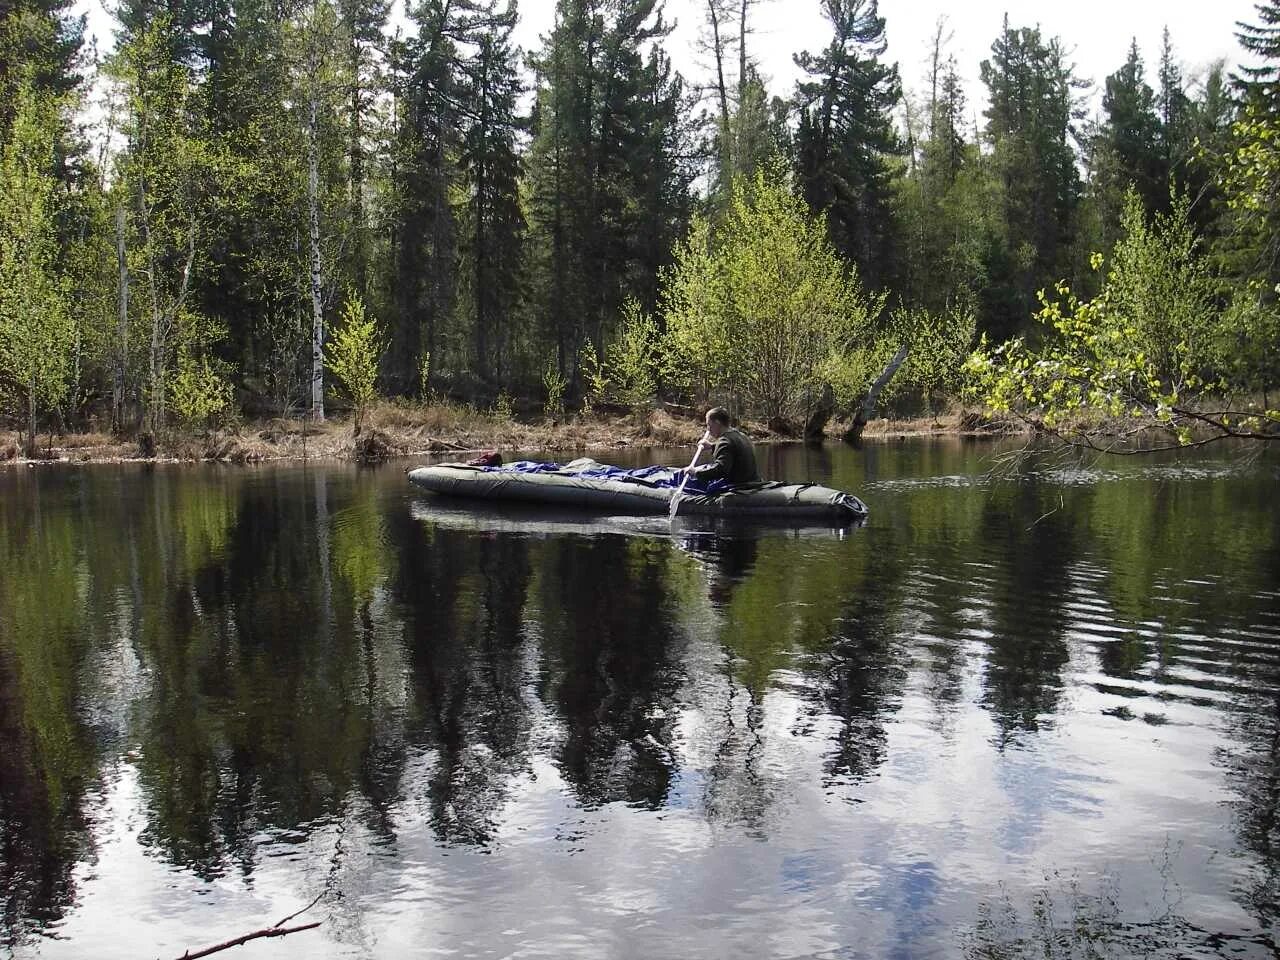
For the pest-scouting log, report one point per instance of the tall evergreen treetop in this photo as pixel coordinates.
(1174, 108)
(490, 165)
(1131, 130)
(1262, 39)
(39, 40)
(846, 135)
(1031, 88)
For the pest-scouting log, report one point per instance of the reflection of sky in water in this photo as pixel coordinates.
(497, 734)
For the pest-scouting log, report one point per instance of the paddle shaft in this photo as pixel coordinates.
(675, 500)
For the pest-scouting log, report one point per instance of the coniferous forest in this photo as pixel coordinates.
(251, 209)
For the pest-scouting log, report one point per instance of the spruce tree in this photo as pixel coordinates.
(1029, 127)
(845, 136)
(1131, 131)
(604, 170)
(40, 44)
(495, 224)
(1173, 108)
(1261, 84)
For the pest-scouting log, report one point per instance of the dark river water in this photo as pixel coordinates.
(1035, 714)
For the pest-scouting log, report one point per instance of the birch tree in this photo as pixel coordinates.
(173, 172)
(35, 326)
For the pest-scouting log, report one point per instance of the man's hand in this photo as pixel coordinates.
(706, 441)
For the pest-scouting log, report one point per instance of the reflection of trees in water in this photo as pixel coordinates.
(1252, 766)
(824, 611)
(1204, 593)
(865, 679)
(270, 619)
(42, 833)
(466, 646)
(1030, 589)
(1249, 636)
(265, 705)
(610, 671)
(48, 757)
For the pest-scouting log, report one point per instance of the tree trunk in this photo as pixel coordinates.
(317, 304)
(867, 408)
(153, 349)
(31, 421)
(122, 331)
(722, 90)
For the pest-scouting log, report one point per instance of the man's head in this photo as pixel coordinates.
(717, 421)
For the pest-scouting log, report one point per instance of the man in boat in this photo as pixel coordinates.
(732, 456)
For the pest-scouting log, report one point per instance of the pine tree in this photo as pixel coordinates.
(1261, 84)
(1173, 108)
(1029, 127)
(845, 136)
(362, 22)
(601, 136)
(495, 225)
(1131, 130)
(40, 44)
(255, 276)
(940, 205)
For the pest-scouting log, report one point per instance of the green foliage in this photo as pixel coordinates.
(424, 375)
(36, 329)
(1248, 177)
(1159, 287)
(1031, 89)
(503, 410)
(764, 312)
(554, 384)
(608, 172)
(267, 165)
(353, 353)
(199, 391)
(631, 369)
(845, 135)
(939, 345)
(178, 177)
(1142, 350)
(1251, 339)
(595, 381)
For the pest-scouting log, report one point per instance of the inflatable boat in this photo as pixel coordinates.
(649, 490)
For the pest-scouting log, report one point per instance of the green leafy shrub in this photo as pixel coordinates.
(595, 379)
(200, 391)
(765, 309)
(632, 364)
(352, 355)
(555, 384)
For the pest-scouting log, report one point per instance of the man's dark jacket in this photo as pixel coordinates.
(733, 460)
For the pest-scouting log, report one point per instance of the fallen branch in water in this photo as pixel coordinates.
(278, 929)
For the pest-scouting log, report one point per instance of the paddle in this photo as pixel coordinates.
(675, 500)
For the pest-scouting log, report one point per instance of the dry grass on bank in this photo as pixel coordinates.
(402, 429)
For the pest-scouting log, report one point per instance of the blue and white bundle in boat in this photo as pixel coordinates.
(647, 490)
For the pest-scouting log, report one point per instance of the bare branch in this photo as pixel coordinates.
(276, 930)
(256, 935)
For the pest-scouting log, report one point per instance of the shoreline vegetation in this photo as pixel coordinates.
(310, 208)
(401, 430)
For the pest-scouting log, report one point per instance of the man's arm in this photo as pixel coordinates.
(720, 466)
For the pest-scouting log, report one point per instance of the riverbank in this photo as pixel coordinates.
(395, 430)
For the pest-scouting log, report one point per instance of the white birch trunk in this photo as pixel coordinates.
(122, 331)
(317, 304)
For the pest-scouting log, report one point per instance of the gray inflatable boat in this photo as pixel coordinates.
(581, 484)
